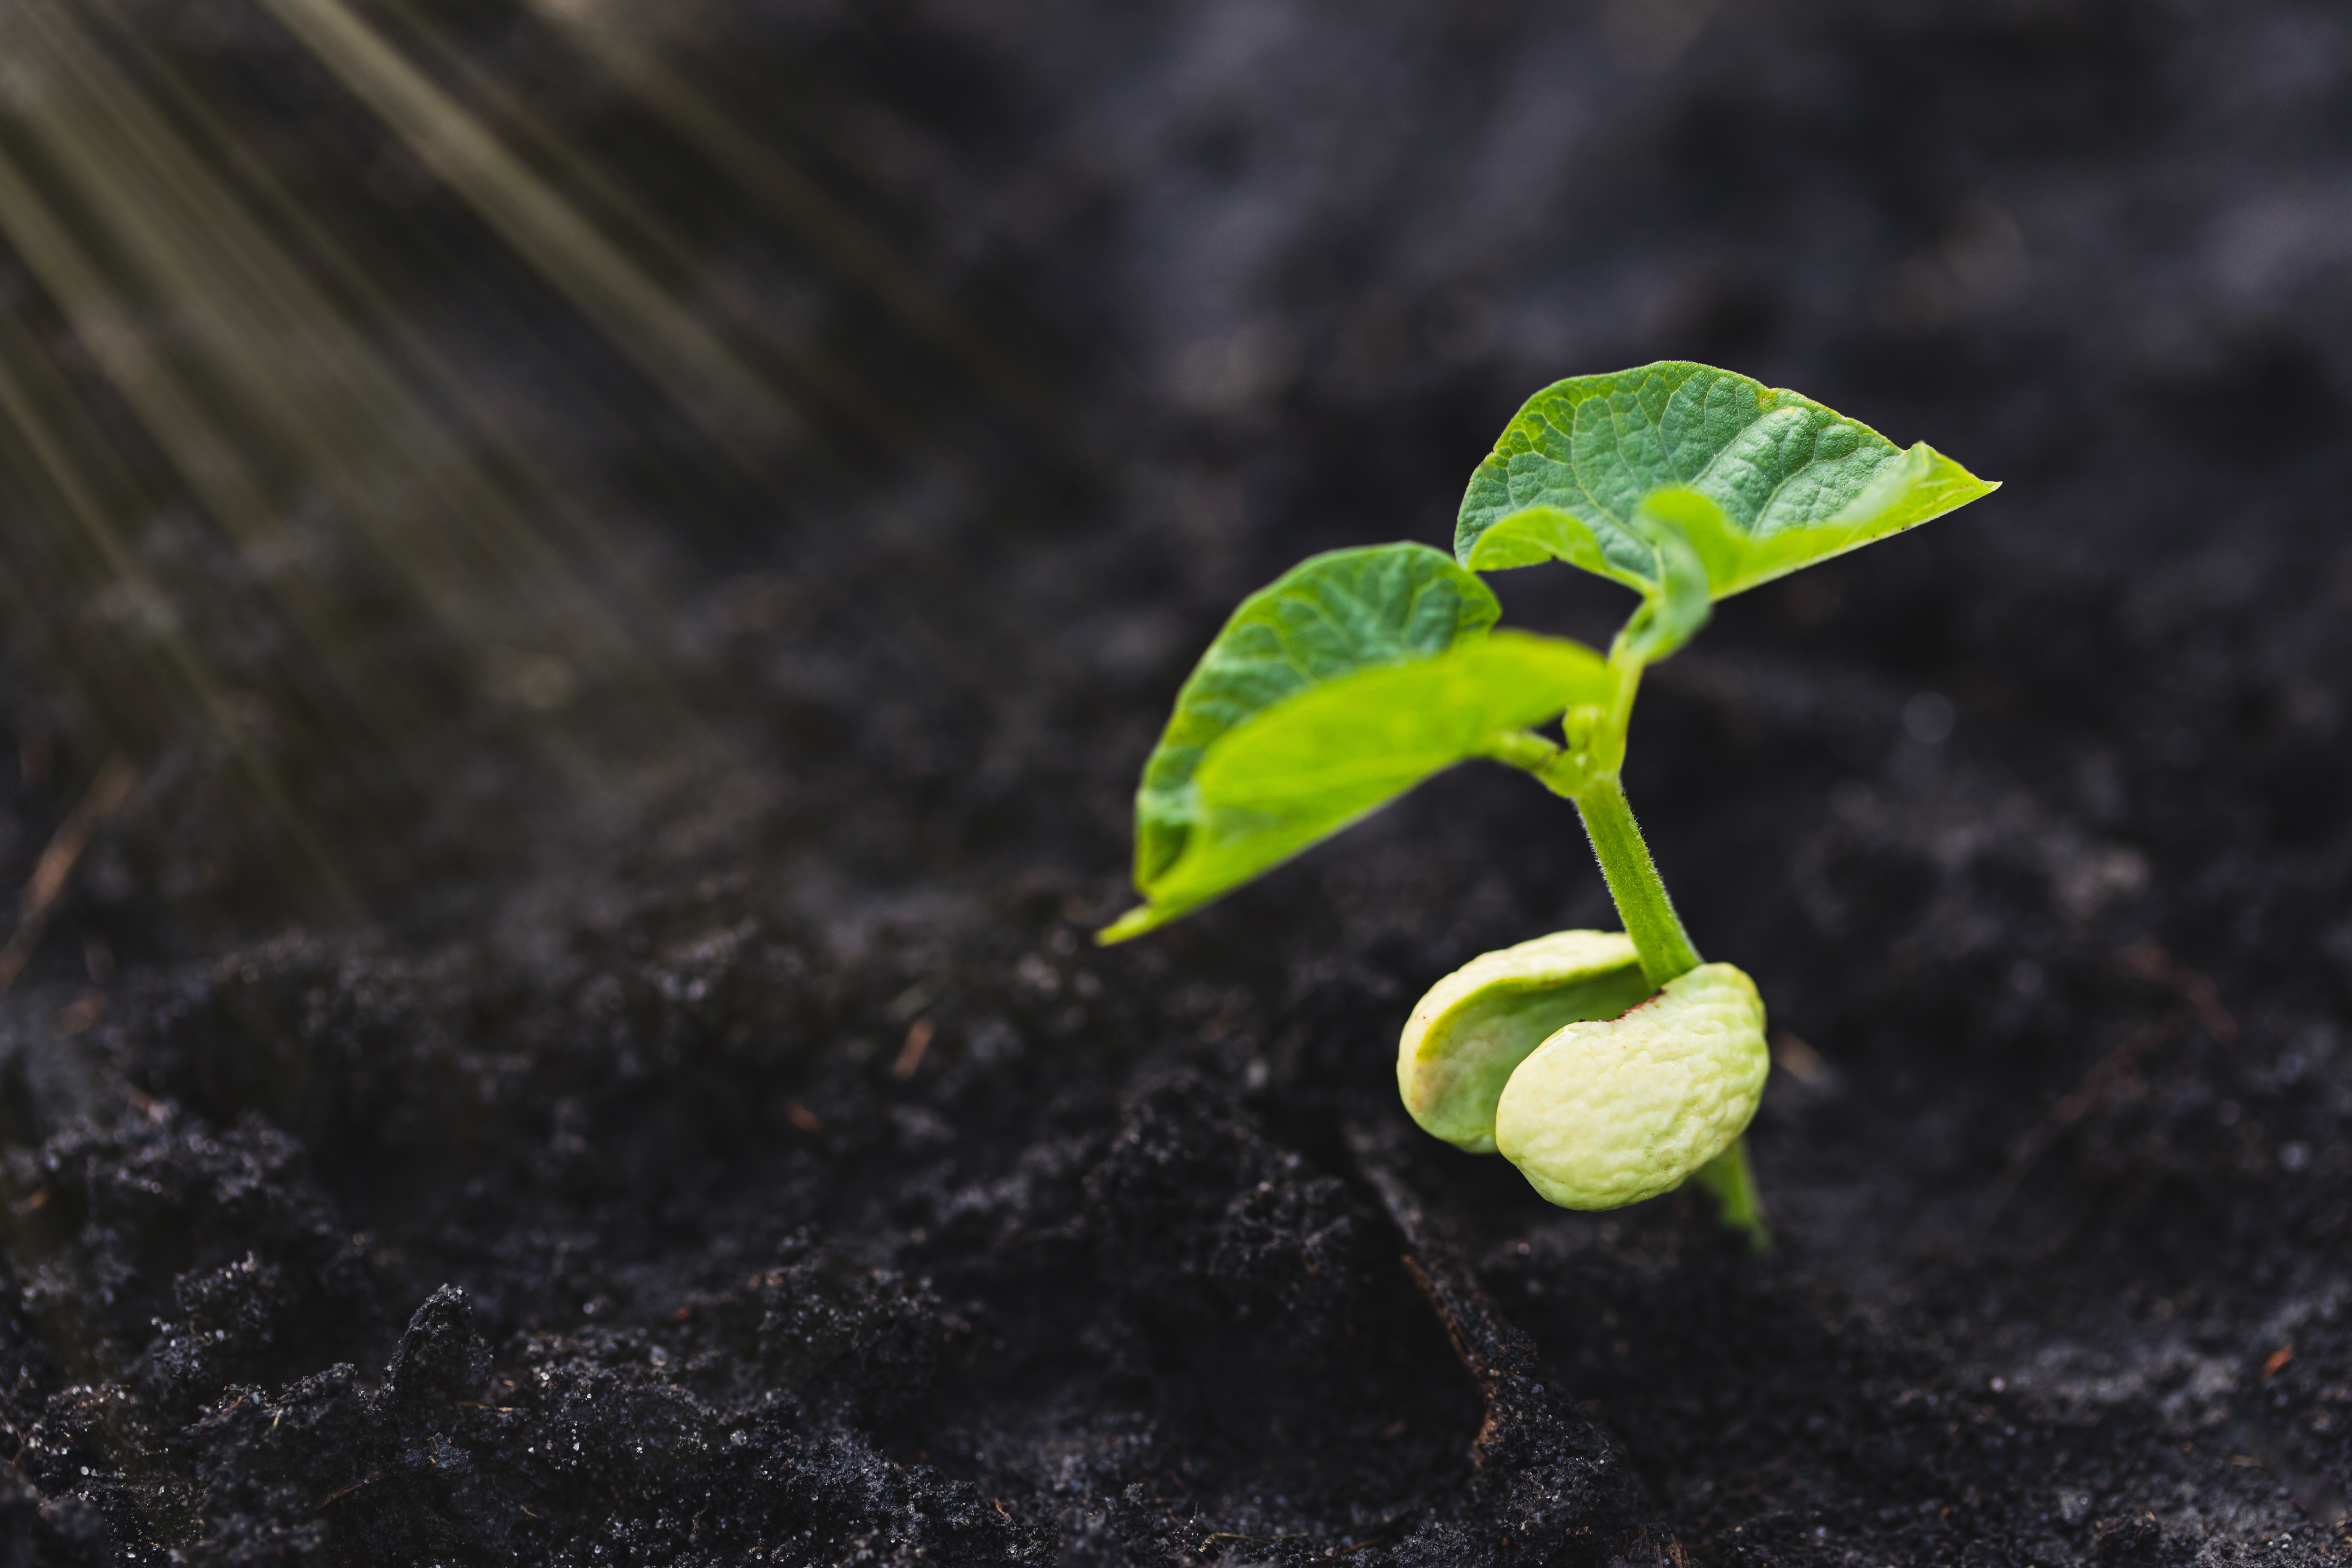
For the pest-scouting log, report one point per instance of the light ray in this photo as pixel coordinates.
(850, 248)
(681, 355)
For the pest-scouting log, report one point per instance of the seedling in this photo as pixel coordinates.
(1608, 1067)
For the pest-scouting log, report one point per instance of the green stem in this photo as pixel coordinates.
(1730, 1180)
(1641, 901)
(1667, 954)
(1585, 771)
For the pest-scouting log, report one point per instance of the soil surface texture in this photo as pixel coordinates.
(572, 694)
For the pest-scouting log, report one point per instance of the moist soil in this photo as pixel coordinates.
(469, 1102)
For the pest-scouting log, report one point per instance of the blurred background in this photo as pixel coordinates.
(498, 498)
(415, 416)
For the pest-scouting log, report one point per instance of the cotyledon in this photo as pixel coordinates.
(1557, 1054)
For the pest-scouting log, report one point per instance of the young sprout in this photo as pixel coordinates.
(1608, 1067)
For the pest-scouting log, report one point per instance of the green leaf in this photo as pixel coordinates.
(1304, 768)
(1331, 616)
(1678, 602)
(1760, 482)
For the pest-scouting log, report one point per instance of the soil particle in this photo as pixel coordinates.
(440, 1353)
(636, 1086)
(47, 1533)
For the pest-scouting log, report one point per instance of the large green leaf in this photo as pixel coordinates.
(1306, 767)
(1330, 615)
(1759, 481)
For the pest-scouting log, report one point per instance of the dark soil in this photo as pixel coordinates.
(607, 1067)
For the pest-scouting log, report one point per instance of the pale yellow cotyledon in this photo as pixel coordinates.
(1524, 1051)
(1475, 1027)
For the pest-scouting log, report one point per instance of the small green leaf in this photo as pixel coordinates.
(1304, 768)
(1330, 615)
(1760, 482)
(1679, 601)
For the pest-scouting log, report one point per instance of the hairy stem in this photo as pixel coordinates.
(1641, 901)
